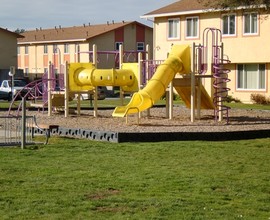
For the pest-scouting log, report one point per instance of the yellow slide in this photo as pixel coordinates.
(183, 88)
(178, 61)
(185, 93)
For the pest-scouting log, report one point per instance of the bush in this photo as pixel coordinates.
(176, 97)
(259, 99)
(230, 99)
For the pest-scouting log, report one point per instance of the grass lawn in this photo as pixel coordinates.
(81, 179)
(108, 102)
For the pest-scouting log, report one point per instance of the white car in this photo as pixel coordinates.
(6, 89)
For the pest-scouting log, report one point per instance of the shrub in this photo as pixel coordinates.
(230, 99)
(176, 97)
(259, 99)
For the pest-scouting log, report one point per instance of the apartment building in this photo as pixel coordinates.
(59, 45)
(245, 33)
(8, 51)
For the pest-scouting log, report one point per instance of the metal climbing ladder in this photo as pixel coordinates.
(218, 70)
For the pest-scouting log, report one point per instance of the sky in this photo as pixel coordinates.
(32, 14)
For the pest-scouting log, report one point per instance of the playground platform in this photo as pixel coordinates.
(243, 124)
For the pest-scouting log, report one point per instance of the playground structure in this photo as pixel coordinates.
(177, 62)
(79, 78)
(191, 89)
(86, 78)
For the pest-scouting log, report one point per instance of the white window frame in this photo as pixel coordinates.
(55, 49)
(77, 48)
(26, 71)
(140, 46)
(46, 70)
(250, 23)
(45, 49)
(261, 69)
(66, 48)
(26, 50)
(173, 28)
(229, 20)
(117, 45)
(195, 31)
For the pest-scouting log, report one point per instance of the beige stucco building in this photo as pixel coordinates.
(74, 44)
(8, 48)
(245, 34)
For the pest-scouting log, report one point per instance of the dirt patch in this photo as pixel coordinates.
(102, 194)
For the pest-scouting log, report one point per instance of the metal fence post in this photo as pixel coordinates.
(23, 134)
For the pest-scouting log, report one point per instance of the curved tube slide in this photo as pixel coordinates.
(178, 61)
(84, 77)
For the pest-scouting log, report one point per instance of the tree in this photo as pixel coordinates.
(232, 4)
(19, 31)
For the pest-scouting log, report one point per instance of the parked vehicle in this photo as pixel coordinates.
(6, 89)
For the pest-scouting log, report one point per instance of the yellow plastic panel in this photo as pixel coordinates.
(185, 94)
(177, 62)
(134, 68)
(73, 69)
(84, 76)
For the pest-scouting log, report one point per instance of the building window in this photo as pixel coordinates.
(45, 49)
(66, 48)
(192, 27)
(77, 48)
(174, 29)
(26, 71)
(117, 45)
(140, 46)
(251, 77)
(55, 48)
(18, 50)
(228, 24)
(250, 23)
(26, 50)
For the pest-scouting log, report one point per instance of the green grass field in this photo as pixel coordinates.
(112, 103)
(81, 179)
